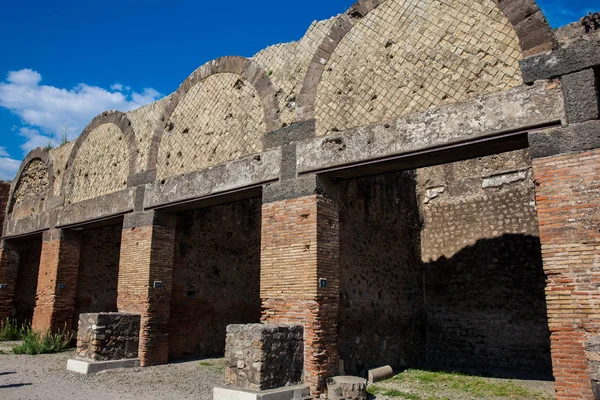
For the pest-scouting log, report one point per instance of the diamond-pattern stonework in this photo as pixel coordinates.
(144, 120)
(60, 157)
(101, 165)
(407, 56)
(219, 119)
(287, 65)
(33, 184)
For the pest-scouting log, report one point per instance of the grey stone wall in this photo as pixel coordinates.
(216, 277)
(484, 281)
(98, 271)
(262, 357)
(108, 336)
(381, 298)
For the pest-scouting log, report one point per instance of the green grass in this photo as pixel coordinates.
(217, 365)
(424, 382)
(44, 342)
(10, 330)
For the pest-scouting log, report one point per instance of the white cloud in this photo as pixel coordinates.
(24, 77)
(44, 110)
(8, 168)
(3, 152)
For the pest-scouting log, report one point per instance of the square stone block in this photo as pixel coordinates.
(108, 336)
(263, 357)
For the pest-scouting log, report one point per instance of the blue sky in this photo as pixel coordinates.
(64, 62)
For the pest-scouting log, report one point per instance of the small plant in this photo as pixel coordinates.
(10, 330)
(49, 145)
(44, 342)
(64, 138)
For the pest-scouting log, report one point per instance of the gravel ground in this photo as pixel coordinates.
(45, 377)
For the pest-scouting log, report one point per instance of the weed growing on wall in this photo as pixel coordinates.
(11, 330)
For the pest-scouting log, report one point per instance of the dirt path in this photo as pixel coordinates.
(45, 377)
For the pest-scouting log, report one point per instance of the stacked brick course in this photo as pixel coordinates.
(145, 281)
(568, 201)
(57, 281)
(300, 246)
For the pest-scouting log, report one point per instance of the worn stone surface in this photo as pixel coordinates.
(220, 119)
(101, 165)
(60, 157)
(408, 56)
(108, 336)
(216, 277)
(514, 109)
(569, 139)
(574, 34)
(346, 388)
(4, 197)
(260, 356)
(98, 271)
(381, 319)
(27, 280)
(31, 190)
(582, 96)
(479, 238)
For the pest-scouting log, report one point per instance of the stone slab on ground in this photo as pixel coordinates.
(93, 367)
(346, 388)
(298, 392)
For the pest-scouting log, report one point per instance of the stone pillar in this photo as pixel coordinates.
(567, 177)
(57, 280)
(300, 270)
(9, 266)
(145, 279)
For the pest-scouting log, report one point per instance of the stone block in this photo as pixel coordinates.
(263, 357)
(93, 367)
(108, 336)
(581, 96)
(346, 388)
(298, 392)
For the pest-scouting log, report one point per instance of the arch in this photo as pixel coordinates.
(110, 124)
(525, 16)
(37, 192)
(247, 70)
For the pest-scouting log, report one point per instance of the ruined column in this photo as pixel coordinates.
(145, 279)
(300, 269)
(566, 165)
(9, 266)
(57, 280)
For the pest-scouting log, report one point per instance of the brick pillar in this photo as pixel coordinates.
(145, 280)
(57, 280)
(300, 246)
(568, 202)
(9, 266)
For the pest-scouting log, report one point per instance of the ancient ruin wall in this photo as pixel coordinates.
(98, 271)
(60, 159)
(4, 196)
(216, 277)
(31, 191)
(484, 281)
(101, 165)
(220, 119)
(408, 56)
(143, 121)
(27, 277)
(286, 64)
(381, 298)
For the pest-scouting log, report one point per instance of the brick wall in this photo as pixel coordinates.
(381, 298)
(57, 280)
(9, 266)
(484, 280)
(568, 201)
(4, 193)
(216, 277)
(98, 271)
(147, 257)
(27, 277)
(300, 245)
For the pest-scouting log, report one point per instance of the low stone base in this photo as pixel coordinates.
(93, 367)
(299, 392)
